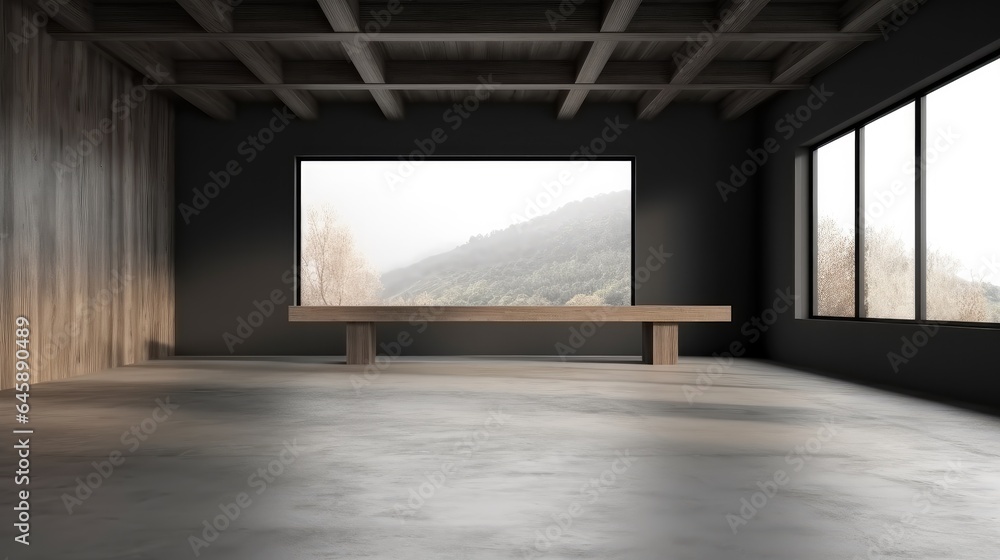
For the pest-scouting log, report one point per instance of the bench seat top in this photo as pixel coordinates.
(515, 314)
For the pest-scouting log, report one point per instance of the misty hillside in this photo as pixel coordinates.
(580, 252)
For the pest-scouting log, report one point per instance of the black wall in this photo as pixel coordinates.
(238, 248)
(938, 39)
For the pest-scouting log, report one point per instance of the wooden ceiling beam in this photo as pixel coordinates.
(366, 57)
(473, 85)
(77, 15)
(693, 57)
(259, 58)
(465, 37)
(506, 74)
(800, 60)
(617, 15)
(685, 17)
(215, 17)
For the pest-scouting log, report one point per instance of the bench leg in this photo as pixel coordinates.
(659, 343)
(360, 343)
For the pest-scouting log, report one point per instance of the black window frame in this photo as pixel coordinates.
(297, 219)
(919, 100)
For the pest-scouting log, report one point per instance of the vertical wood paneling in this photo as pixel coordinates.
(87, 254)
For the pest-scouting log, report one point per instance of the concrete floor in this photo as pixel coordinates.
(499, 460)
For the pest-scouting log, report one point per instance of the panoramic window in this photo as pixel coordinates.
(905, 210)
(465, 231)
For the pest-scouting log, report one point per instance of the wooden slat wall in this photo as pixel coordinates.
(86, 254)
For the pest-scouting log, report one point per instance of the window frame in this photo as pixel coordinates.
(296, 268)
(919, 100)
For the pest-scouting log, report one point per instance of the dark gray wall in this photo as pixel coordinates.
(237, 249)
(941, 37)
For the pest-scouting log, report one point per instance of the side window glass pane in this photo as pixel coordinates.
(834, 222)
(890, 206)
(963, 198)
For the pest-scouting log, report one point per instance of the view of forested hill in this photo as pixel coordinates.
(579, 254)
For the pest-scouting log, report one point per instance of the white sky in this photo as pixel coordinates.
(963, 187)
(441, 203)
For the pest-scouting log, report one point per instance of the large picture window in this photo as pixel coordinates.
(905, 210)
(493, 231)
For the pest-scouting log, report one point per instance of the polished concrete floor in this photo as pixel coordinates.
(285, 460)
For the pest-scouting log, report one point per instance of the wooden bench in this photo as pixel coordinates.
(659, 322)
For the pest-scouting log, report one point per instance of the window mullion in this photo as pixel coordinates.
(859, 224)
(920, 224)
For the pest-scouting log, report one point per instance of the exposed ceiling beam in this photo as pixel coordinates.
(617, 15)
(685, 17)
(473, 74)
(76, 15)
(801, 60)
(215, 17)
(366, 57)
(867, 13)
(693, 57)
(472, 85)
(461, 37)
(260, 58)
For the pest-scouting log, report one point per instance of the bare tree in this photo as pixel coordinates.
(334, 271)
(951, 298)
(889, 278)
(890, 281)
(834, 270)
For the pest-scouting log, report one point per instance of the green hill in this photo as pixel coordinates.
(578, 254)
